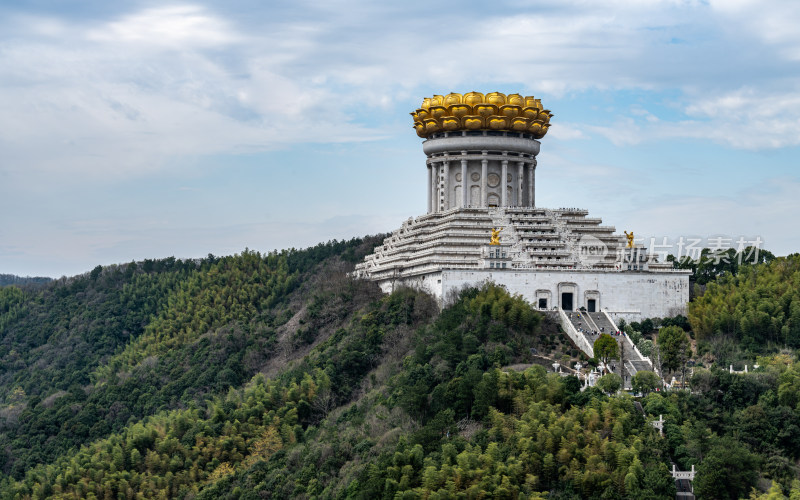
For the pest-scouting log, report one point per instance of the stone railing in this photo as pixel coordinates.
(683, 474)
(579, 339)
(547, 252)
(590, 227)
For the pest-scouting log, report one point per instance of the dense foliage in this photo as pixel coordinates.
(709, 264)
(279, 376)
(10, 279)
(758, 307)
(734, 427)
(84, 356)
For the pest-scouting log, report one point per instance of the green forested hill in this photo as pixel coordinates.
(10, 279)
(278, 376)
(759, 306)
(84, 356)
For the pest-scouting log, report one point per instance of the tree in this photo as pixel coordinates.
(609, 383)
(729, 470)
(645, 382)
(673, 343)
(605, 347)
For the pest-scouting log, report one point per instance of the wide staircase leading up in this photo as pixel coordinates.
(634, 361)
(591, 325)
(588, 326)
(604, 325)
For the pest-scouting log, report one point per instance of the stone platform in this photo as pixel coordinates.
(552, 257)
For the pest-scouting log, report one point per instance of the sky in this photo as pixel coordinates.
(143, 129)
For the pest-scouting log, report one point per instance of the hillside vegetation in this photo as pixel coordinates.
(279, 376)
(758, 307)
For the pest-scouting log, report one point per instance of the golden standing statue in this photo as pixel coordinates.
(630, 238)
(495, 238)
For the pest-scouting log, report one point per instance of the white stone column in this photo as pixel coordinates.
(435, 187)
(504, 185)
(464, 181)
(531, 183)
(484, 173)
(438, 189)
(446, 185)
(430, 186)
(520, 183)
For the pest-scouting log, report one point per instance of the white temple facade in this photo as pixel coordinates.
(481, 160)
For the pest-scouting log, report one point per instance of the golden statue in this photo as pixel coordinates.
(630, 238)
(476, 111)
(495, 238)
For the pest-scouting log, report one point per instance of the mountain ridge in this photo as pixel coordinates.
(278, 376)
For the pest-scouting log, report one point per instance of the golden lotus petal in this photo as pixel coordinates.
(452, 98)
(498, 122)
(472, 122)
(542, 116)
(426, 103)
(510, 110)
(451, 123)
(545, 128)
(432, 125)
(515, 100)
(422, 113)
(496, 98)
(520, 124)
(420, 128)
(473, 98)
(437, 111)
(437, 100)
(486, 109)
(535, 127)
(459, 110)
(538, 103)
(530, 112)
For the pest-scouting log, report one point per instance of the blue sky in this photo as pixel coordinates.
(132, 130)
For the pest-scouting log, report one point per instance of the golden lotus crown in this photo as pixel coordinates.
(476, 111)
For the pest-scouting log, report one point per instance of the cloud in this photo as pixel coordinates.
(107, 96)
(126, 96)
(741, 118)
(774, 22)
(761, 210)
(130, 96)
(178, 26)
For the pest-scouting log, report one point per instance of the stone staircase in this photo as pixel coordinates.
(582, 325)
(634, 361)
(579, 338)
(591, 325)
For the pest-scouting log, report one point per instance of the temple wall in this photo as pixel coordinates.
(629, 295)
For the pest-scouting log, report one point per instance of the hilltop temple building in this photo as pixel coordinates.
(482, 222)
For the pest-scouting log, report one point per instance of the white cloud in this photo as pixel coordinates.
(170, 81)
(741, 119)
(774, 22)
(179, 26)
(85, 99)
(135, 93)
